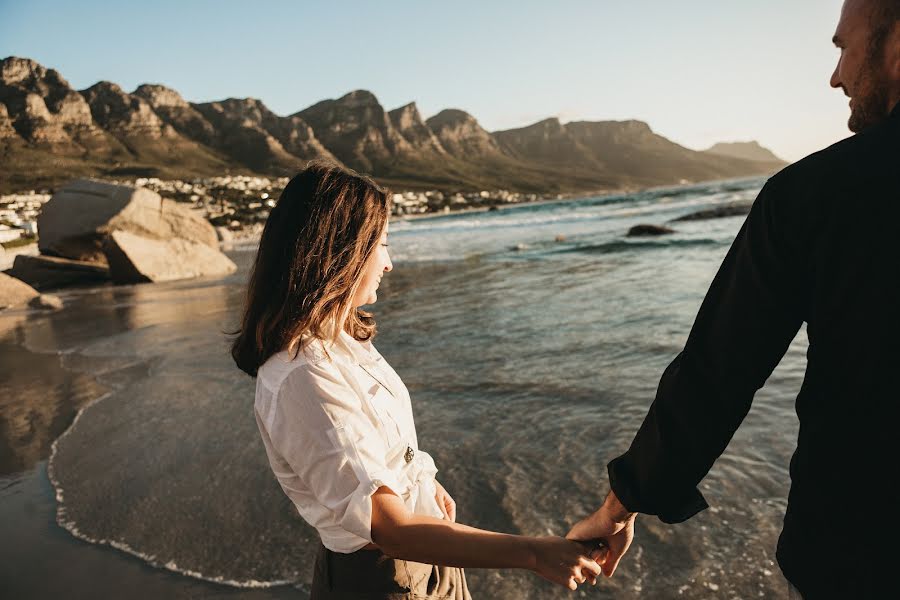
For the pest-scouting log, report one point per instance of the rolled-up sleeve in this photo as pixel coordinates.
(316, 423)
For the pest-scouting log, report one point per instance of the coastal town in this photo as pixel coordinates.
(240, 204)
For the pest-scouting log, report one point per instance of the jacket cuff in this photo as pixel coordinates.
(667, 507)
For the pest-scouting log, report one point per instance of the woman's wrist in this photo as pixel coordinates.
(531, 552)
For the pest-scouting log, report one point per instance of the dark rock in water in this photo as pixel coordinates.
(49, 272)
(648, 230)
(14, 292)
(719, 212)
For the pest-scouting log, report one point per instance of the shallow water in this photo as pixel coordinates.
(532, 339)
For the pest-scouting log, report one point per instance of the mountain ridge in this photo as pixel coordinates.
(50, 132)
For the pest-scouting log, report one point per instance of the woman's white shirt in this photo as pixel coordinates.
(336, 426)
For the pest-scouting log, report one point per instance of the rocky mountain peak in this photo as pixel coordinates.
(42, 106)
(159, 96)
(451, 118)
(27, 73)
(357, 130)
(359, 99)
(409, 123)
(122, 113)
(460, 134)
(406, 116)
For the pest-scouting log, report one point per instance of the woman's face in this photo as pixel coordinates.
(377, 265)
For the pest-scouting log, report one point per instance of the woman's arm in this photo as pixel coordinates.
(420, 538)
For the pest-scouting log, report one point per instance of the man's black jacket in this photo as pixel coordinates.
(822, 246)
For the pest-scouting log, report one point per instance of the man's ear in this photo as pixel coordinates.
(893, 54)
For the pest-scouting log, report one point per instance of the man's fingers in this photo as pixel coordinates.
(611, 562)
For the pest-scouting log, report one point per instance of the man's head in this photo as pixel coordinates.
(868, 70)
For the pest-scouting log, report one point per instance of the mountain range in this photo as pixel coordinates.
(50, 132)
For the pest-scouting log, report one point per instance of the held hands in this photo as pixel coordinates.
(563, 561)
(445, 502)
(611, 523)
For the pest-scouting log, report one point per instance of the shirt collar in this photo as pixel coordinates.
(356, 350)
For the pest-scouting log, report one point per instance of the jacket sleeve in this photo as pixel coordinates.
(752, 311)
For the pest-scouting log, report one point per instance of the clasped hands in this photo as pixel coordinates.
(605, 536)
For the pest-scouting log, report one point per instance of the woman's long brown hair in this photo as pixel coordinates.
(315, 243)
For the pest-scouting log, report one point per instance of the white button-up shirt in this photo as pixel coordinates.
(336, 426)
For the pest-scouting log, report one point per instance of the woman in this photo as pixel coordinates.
(336, 420)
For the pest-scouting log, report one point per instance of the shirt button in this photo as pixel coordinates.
(410, 453)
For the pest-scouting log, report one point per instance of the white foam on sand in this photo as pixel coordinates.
(152, 560)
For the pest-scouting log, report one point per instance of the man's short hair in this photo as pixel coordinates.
(883, 17)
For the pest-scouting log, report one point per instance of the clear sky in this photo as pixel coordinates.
(698, 71)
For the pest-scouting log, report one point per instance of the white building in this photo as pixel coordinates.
(8, 234)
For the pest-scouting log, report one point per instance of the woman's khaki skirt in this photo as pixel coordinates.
(372, 575)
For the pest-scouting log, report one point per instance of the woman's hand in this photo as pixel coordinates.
(563, 561)
(445, 502)
(614, 525)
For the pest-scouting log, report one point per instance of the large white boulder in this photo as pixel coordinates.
(76, 221)
(138, 259)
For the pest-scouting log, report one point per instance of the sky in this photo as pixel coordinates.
(698, 71)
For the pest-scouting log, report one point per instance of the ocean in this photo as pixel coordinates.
(532, 339)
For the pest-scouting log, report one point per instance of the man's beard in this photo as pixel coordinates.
(870, 105)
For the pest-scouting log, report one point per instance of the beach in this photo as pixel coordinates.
(531, 338)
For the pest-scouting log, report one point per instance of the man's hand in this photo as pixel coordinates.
(613, 524)
(446, 503)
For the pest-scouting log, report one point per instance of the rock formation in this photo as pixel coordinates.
(253, 135)
(357, 130)
(42, 107)
(78, 218)
(177, 112)
(409, 123)
(460, 135)
(51, 272)
(14, 292)
(735, 209)
(50, 133)
(137, 259)
(138, 235)
(645, 230)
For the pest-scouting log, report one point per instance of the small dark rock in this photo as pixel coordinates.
(719, 212)
(648, 230)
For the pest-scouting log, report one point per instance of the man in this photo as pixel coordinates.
(820, 246)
